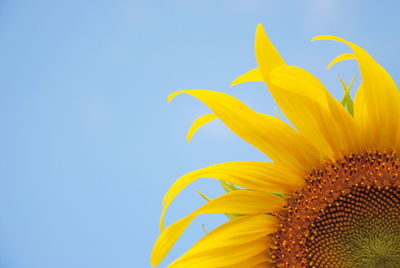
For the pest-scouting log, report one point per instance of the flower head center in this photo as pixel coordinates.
(361, 229)
(346, 215)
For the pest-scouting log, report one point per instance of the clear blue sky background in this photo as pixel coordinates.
(88, 143)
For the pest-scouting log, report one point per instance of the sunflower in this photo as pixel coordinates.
(331, 195)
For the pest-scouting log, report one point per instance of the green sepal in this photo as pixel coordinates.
(347, 102)
(280, 194)
(228, 187)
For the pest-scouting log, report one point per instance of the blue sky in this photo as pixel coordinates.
(88, 142)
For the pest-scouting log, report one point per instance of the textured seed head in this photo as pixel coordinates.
(346, 215)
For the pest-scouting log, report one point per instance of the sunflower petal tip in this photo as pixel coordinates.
(260, 29)
(234, 82)
(323, 37)
(198, 123)
(329, 37)
(173, 95)
(315, 38)
(340, 58)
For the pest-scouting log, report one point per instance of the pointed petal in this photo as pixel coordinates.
(229, 257)
(270, 135)
(381, 97)
(198, 123)
(266, 53)
(342, 57)
(260, 176)
(235, 202)
(296, 105)
(251, 76)
(239, 241)
(330, 118)
(306, 103)
(167, 239)
(306, 108)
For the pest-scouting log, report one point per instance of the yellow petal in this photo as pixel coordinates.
(326, 116)
(381, 97)
(299, 81)
(260, 176)
(228, 257)
(360, 112)
(261, 260)
(270, 135)
(167, 239)
(235, 202)
(306, 103)
(251, 76)
(239, 241)
(201, 121)
(298, 105)
(266, 53)
(342, 57)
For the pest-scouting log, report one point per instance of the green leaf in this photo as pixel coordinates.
(347, 102)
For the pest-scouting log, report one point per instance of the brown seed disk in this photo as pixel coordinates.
(347, 214)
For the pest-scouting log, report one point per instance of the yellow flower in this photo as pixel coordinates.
(337, 174)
